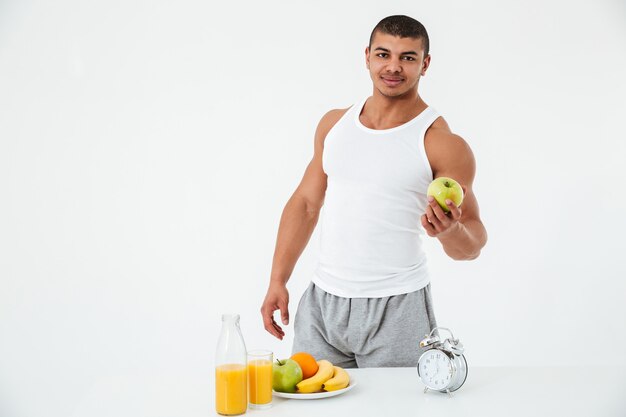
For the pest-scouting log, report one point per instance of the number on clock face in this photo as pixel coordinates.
(436, 369)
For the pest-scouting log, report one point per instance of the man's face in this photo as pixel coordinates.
(395, 63)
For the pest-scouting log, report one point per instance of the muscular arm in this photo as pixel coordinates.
(461, 233)
(298, 220)
(297, 223)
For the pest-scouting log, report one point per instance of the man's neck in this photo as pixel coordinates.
(384, 110)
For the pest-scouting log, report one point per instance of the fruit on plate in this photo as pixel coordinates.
(444, 188)
(340, 380)
(307, 363)
(314, 383)
(286, 374)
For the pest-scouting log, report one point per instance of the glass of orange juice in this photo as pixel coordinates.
(260, 378)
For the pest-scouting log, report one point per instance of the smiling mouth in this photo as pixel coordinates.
(392, 81)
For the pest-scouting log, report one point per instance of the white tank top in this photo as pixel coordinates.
(370, 230)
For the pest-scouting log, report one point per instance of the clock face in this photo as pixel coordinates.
(435, 369)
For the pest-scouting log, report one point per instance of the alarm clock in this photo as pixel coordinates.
(443, 367)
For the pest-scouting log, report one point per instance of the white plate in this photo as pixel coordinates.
(316, 395)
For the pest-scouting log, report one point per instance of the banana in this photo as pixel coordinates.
(314, 383)
(340, 380)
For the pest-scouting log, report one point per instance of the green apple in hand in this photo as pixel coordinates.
(286, 374)
(444, 188)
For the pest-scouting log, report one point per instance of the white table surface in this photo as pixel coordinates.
(387, 392)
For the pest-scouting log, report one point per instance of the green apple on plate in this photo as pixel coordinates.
(286, 374)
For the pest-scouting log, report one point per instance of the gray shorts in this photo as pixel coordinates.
(363, 332)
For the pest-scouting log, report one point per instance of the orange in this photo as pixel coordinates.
(307, 362)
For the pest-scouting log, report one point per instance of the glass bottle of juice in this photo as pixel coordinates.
(231, 382)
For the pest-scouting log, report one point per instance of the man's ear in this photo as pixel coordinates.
(426, 64)
(367, 57)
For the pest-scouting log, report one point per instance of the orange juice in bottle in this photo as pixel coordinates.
(231, 374)
(230, 389)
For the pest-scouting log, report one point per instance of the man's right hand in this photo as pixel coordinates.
(296, 226)
(277, 298)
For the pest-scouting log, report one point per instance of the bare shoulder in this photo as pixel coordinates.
(440, 136)
(446, 150)
(312, 188)
(333, 116)
(327, 122)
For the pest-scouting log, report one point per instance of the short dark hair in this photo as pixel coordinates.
(404, 27)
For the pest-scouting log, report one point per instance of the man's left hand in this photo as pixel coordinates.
(438, 223)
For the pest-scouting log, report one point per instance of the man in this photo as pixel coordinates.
(369, 302)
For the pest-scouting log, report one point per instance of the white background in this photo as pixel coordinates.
(147, 149)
